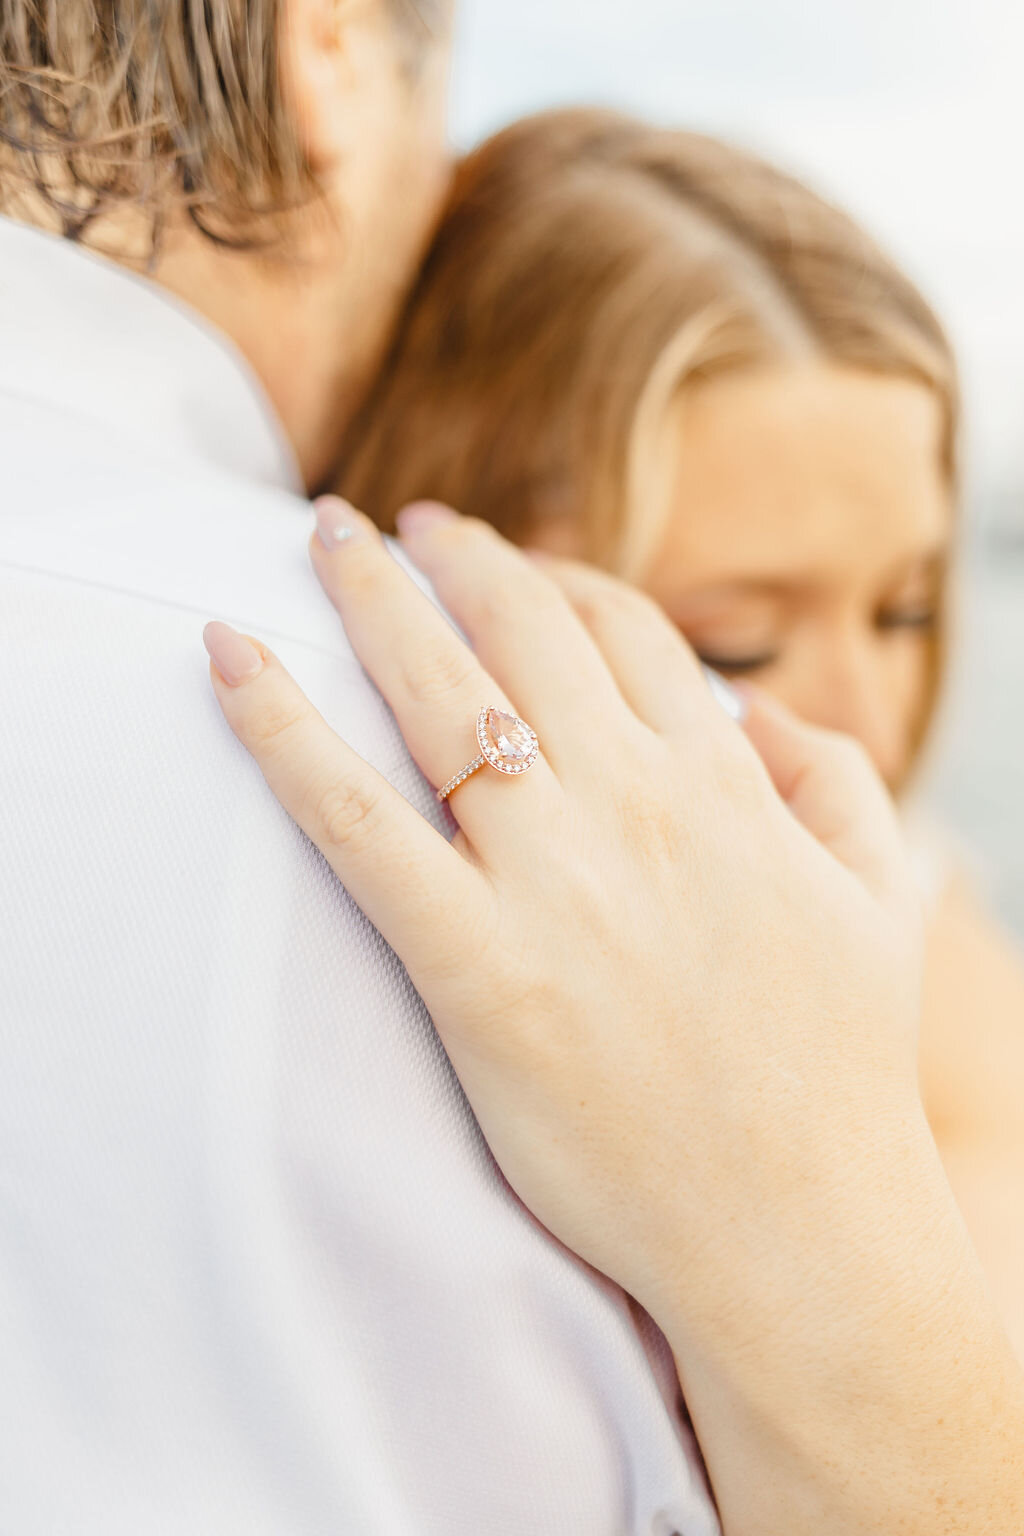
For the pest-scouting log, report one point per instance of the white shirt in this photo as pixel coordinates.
(258, 1271)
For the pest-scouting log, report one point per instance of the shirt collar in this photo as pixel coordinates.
(94, 339)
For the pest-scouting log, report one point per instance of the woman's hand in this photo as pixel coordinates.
(677, 977)
(634, 934)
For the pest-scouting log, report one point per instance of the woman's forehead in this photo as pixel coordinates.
(797, 470)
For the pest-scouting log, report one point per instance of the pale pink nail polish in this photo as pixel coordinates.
(236, 658)
(422, 517)
(338, 523)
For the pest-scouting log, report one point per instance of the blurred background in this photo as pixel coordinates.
(911, 113)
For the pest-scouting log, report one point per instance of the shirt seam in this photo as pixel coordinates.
(178, 606)
(282, 484)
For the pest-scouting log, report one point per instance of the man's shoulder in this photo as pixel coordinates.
(114, 750)
(117, 514)
(105, 545)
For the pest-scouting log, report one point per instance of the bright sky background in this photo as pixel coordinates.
(909, 111)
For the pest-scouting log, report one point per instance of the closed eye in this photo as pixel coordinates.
(924, 618)
(738, 664)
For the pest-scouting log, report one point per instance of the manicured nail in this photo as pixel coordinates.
(730, 698)
(236, 658)
(338, 522)
(422, 517)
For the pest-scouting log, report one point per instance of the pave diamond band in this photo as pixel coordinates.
(506, 743)
(460, 778)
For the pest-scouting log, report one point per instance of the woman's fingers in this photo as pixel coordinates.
(391, 860)
(825, 778)
(655, 670)
(426, 672)
(518, 622)
(831, 787)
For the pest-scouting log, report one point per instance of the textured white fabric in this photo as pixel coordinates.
(258, 1272)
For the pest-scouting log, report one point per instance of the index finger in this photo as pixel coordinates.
(394, 864)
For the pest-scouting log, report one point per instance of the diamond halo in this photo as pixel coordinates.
(507, 743)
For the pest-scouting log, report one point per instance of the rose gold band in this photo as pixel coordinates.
(460, 778)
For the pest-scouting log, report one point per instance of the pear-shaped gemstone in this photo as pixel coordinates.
(509, 736)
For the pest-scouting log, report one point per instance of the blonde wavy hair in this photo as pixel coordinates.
(587, 268)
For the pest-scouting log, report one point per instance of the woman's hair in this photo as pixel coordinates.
(152, 104)
(588, 266)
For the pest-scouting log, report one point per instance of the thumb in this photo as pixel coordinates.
(832, 788)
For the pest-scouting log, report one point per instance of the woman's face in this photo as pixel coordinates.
(810, 531)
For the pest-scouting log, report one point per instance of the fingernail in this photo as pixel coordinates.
(730, 698)
(338, 522)
(422, 516)
(236, 658)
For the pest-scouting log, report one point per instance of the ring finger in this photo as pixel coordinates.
(427, 673)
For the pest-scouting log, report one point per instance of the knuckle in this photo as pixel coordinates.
(597, 601)
(489, 604)
(481, 607)
(439, 674)
(608, 598)
(341, 813)
(275, 723)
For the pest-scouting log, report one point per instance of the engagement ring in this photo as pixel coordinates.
(506, 743)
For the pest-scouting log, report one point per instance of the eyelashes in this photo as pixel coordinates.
(916, 620)
(911, 618)
(738, 664)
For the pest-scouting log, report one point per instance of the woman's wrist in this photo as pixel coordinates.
(857, 1320)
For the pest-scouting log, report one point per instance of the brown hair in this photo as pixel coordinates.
(587, 266)
(108, 104)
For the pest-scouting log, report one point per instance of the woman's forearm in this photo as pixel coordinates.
(845, 1364)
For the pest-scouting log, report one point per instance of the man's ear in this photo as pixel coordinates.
(326, 48)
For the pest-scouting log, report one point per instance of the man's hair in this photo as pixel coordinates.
(150, 104)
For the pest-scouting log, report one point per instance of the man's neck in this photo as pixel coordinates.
(312, 345)
(307, 326)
